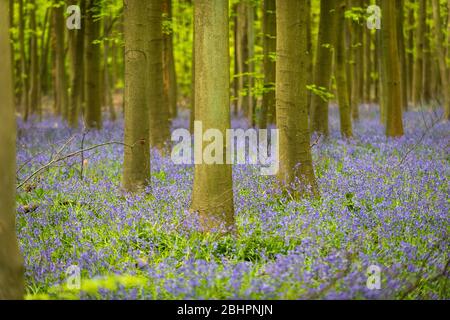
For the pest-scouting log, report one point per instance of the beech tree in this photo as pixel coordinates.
(11, 265)
(92, 66)
(268, 113)
(440, 51)
(323, 68)
(417, 94)
(341, 72)
(77, 45)
(61, 97)
(292, 99)
(391, 70)
(169, 74)
(159, 112)
(136, 165)
(212, 195)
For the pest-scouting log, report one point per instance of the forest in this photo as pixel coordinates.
(224, 149)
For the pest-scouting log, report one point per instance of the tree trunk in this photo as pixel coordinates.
(368, 63)
(159, 113)
(169, 74)
(341, 72)
(34, 63)
(192, 115)
(251, 63)
(410, 54)
(391, 69)
(309, 50)
(136, 166)
(242, 56)
(107, 85)
(417, 95)
(292, 98)
(428, 66)
(11, 264)
(212, 196)
(24, 78)
(323, 68)
(60, 76)
(92, 64)
(441, 56)
(76, 45)
(402, 53)
(45, 49)
(268, 114)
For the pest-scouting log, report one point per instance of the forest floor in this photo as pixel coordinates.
(383, 203)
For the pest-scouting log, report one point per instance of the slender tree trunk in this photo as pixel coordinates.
(136, 166)
(441, 56)
(159, 113)
(77, 43)
(45, 49)
(324, 63)
(428, 66)
(251, 63)
(368, 63)
(268, 114)
(11, 23)
(391, 69)
(242, 56)
(341, 72)
(292, 99)
(410, 54)
(212, 196)
(402, 53)
(23, 62)
(192, 115)
(448, 37)
(92, 75)
(356, 62)
(34, 63)
(107, 86)
(417, 95)
(11, 264)
(60, 76)
(169, 74)
(309, 49)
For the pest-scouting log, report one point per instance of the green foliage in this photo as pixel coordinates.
(322, 92)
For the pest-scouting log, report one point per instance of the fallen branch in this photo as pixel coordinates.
(70, 155)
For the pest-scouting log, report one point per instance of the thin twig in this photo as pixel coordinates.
(70, 155)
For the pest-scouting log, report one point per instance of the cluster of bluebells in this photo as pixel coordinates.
(383, 202)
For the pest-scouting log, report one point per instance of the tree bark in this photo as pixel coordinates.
(324, 63)
(169, 74)
(11, 264)
(93, 66)
(402, 53)
(268, 113)
(417, 95)
(441, 58)
(391, 69)
(34, 63)
(242, 56)
(136, 165)
(296, 171)
(341, 72)
(212, 196)
(76, 45)
(159, 113)
(24, 78)
(61, 96)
